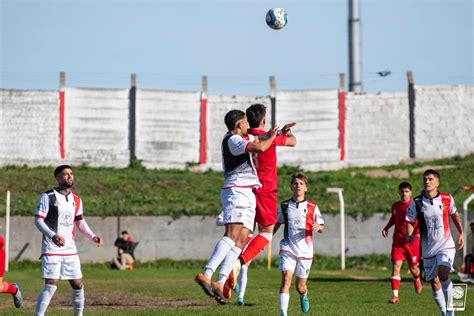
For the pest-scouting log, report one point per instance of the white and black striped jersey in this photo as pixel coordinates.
(298, 218)
(59, 213)
(239, 169)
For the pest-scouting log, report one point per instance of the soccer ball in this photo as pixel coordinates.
(277, 18)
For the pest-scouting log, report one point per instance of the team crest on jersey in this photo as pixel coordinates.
(440, 207)
(297, 222)
(413, 259)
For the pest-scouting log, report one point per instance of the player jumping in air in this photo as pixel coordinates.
(58, 212)
(5, 287)
(402, 249)
(267, 194)
(238, 200)
(301, 218)
(432, 210)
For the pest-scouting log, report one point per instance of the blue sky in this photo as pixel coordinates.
(171, 44)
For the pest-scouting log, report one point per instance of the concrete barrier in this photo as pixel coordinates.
(194, 237)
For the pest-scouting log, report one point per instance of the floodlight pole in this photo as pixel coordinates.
(343, 229)
(465, 211)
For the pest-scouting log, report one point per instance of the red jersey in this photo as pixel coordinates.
(399, 211)
(266, 162)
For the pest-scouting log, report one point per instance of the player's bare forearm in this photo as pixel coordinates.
(290, 140)
(275, 229)
(410, 230)
(457, 222)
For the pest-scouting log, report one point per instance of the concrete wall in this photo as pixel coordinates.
(96, 130)
(316, 114)
(29, 127)
(444, 121)
(377, 128)
(194, 237)
(167, 128)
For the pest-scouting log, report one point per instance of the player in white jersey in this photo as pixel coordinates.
(432, 210)
(58, 213)
(237, 198)
(301, 218)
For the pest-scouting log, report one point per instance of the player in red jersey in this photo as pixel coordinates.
(402, 249)
(267, 195)
(5, 287)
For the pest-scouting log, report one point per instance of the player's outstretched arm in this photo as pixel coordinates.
(291, 139)
(263, 144)
(457, 222)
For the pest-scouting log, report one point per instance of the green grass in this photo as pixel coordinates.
(183, 193)
(171, 291)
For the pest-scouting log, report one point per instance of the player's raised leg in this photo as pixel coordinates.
(5, 287)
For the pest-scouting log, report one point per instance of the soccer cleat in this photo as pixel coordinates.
(304, 303)
(394, 300)
(418, 286)
(204, 283)
(240, 301)
(227, 291)
(218, 293)
(17, 297)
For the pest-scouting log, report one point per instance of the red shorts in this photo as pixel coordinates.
(2, 256)
(266, 214)
(408, 251)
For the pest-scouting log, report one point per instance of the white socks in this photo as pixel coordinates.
(242, 281)
(223, 246)
(44, 298)
(268, 236)
(228, 264)
(439, 299)
(77, 297)
(447, 287)
(284, 300)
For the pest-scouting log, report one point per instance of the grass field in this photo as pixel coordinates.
(160, 192)
(172, 292)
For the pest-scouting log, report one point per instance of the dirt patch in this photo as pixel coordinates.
(111, 300)
(380, 173)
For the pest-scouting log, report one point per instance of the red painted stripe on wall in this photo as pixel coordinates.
(62, 106)
(203, 141)
(342, 124)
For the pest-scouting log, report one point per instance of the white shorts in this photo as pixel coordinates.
(238, 206)
(443, 258)
(61, 267)
(289, 262)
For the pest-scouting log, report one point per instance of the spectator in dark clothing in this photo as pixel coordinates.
(126, 246)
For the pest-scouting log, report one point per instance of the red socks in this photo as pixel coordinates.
(254, 247)
(395, 283)
(8, 288)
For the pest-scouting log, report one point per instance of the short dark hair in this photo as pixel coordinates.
(232, 117)
(432, 172)
(255, 114)
(299, 175)
(404, 185)
(60, 169)
(124, 232)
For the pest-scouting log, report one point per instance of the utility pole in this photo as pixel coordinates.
(355, 80)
